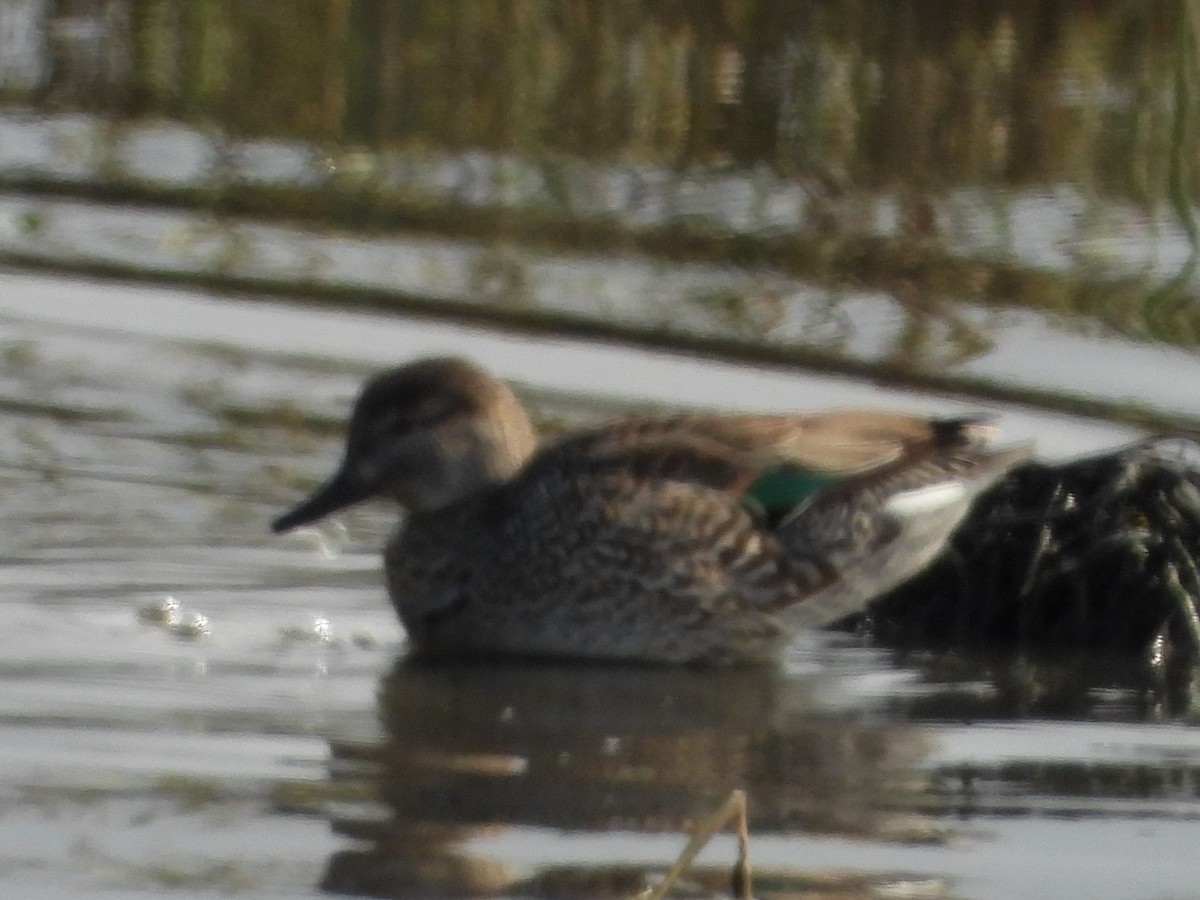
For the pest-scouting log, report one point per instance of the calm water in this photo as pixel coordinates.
(216, 219)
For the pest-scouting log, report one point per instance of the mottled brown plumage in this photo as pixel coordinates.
(651, 539)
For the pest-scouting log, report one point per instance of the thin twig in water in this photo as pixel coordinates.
(732, 810)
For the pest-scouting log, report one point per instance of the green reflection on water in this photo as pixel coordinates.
(944, 157)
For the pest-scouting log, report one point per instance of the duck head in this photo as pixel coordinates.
(428, 435)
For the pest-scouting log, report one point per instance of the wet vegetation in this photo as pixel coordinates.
(1097, 556)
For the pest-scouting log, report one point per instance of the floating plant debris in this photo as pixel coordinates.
(1098, 555)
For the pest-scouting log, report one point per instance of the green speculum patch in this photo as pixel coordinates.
(782, 488)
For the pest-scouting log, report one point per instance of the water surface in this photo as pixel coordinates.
(282, 741)
(216, 220)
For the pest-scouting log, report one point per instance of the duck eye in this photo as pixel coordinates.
(431, 410)
(393, 423)
(390, 424)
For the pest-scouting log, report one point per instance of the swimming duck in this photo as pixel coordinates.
(693, 538)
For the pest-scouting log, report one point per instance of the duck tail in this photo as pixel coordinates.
(873, 535)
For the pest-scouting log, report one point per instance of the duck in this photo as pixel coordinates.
(690, 538)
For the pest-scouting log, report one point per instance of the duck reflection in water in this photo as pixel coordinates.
(477, 758)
